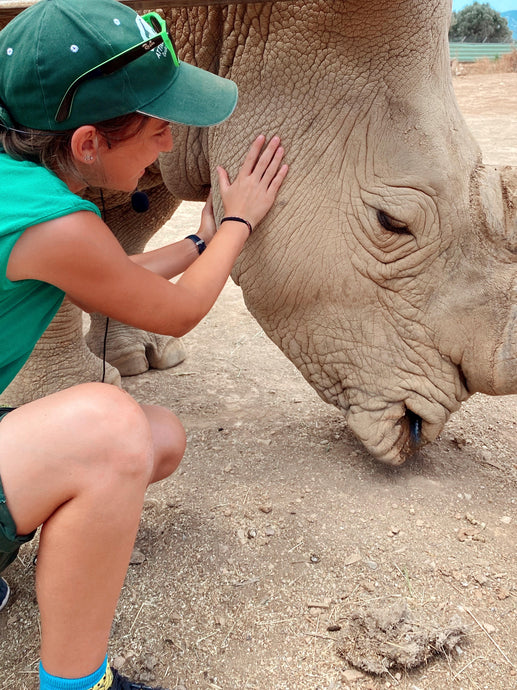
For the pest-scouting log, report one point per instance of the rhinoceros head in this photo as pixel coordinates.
(387, 271)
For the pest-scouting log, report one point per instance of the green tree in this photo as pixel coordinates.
(479, 23)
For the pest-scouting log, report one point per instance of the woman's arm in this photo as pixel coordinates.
(172, 259)
(80, 255)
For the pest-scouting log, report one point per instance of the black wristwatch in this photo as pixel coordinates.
(201, 246)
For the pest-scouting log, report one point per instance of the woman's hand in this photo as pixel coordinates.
(254, 190)
(207, 226)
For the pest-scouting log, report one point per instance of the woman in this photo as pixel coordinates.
(87, 91)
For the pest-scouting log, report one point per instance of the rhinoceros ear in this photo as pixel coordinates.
(509, 191)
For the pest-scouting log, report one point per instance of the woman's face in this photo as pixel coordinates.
(121, 165)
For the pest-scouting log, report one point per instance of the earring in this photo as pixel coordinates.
(88, 158)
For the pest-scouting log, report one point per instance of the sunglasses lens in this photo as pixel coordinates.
(155, 23)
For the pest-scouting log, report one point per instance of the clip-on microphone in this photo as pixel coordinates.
(140, 202)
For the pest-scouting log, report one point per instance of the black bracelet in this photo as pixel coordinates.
(201, 246)
(239, 220)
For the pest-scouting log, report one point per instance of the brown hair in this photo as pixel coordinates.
(53, 150)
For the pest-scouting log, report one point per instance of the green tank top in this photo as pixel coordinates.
(30, 195)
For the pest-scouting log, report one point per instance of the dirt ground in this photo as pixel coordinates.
(280, 553)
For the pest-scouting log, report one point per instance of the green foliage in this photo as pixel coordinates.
(479, 23)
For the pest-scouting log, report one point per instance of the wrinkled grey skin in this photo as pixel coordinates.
(379, 321)
(387, 269)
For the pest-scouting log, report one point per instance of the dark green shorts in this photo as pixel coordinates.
(9, 542)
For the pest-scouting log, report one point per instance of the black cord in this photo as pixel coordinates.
(104, 349)
(104, 346)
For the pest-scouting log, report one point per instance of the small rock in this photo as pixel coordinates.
(269, 531)
(118, 661)
(460, 441)
(352, 675)
(137, 557)
(353, 558)
(324, 604)
(266, 508)
(470, 534)
(152, 503)
(502, 593)
(252, 533)
(334, 627)
(481, 579)
(506, 519)
(486, 455)
(149, 661)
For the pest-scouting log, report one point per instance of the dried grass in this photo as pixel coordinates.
(504, 63)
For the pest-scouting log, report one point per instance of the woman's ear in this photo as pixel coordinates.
(85, 144)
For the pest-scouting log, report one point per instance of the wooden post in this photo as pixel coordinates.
(10, 8)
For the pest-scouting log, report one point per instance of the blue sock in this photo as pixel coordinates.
(48, 682)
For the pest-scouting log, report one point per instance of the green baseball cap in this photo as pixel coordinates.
(67, 63)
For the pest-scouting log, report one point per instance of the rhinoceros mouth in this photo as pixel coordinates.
(416, 430)
(392, 433)
(409, 439)
(414, 423)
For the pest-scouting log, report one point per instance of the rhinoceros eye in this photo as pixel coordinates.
(391, 224)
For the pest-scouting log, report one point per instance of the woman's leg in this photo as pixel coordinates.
(78, 462)
(168, 438)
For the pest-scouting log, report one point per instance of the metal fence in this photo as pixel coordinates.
(470, 52)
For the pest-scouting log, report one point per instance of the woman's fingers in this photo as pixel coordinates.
(224, 180)
(273, 167)
(277, 180)
(256, 185)
(268, 156)
(258, 160)
(253, 154)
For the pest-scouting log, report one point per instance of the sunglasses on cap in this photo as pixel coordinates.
(119, 61)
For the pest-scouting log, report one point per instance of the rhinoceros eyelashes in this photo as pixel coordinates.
(391, 224)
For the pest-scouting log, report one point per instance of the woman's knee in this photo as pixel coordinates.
(114, 428)
(169, 441)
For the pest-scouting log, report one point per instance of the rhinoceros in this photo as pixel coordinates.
(387, 270)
